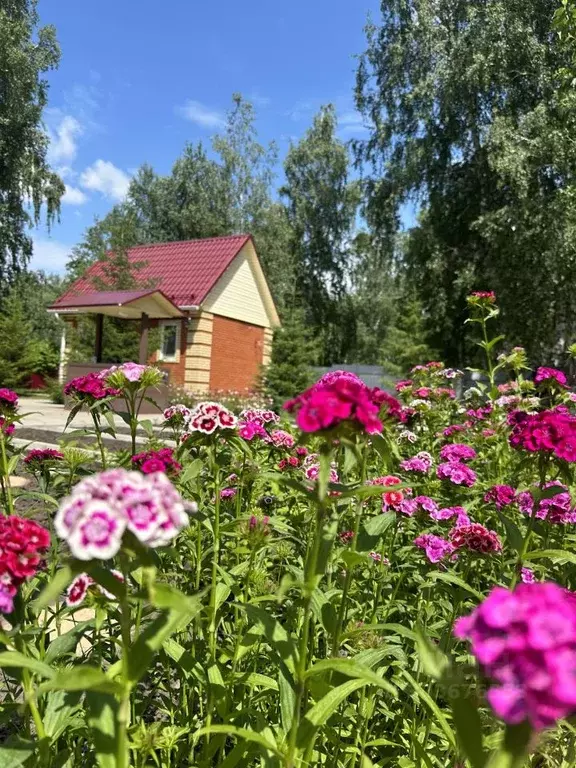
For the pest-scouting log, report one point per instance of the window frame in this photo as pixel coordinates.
(163, 326)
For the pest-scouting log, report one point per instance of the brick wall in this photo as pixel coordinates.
(237, 352)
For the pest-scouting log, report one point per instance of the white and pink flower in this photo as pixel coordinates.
(101, 508)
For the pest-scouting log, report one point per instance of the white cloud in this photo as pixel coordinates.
(352, 122)
(303, 110)
(200, 114)
(63, 146)
(74, 196)
(49, 255)
(103, 176)
(259, 100)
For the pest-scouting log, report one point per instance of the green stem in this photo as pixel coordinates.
(122, 754)
(300, 682)
(39, 725)
(215, 557)
(350, 570)
(488, 353)
(543, 466)
(99, 438)
(5, 476)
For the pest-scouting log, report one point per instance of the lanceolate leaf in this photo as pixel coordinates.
(241, 733)
(351, 668)
(17, 660)
(321, 712)
(102, 717)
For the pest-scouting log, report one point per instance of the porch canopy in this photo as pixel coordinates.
(143, 305)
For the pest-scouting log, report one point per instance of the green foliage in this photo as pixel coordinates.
(404, 342)
(467, 122)
(321, 204)
(293, 352)
(27, 183)
(21, 352)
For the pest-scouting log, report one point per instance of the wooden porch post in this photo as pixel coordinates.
(99, 335)
(143, 339)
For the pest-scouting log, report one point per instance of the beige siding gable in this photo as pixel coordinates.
(242, 293)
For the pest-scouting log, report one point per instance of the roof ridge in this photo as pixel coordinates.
(193, 240)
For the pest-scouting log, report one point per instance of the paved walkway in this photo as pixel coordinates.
(48, 417)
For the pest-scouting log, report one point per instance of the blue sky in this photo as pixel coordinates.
(139, 79)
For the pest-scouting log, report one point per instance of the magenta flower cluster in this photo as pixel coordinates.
(435, 547)
(550, 376)
(421, 463)
(333, 401)
(475, 538)
(552, 432)
(161, 460)
(255, 422)
(39, 458)
(525, 642)
(457, 452)
(89, 388)
(8, 400)
(555, 509)
(500, 495)
(457, 473)
(341, 397)
(93, 519)
(411, 507)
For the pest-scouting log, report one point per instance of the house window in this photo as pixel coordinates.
(169, 345)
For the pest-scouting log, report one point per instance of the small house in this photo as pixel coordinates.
(210, 300)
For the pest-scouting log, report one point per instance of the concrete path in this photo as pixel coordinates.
(48, 417)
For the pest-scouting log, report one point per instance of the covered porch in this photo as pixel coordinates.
(143, 306)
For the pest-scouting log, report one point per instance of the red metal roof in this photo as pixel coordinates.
(184, 271)
(102, 298)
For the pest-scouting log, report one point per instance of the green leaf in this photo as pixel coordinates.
(512, 753)
(222, 594)
(54, 589)
(556, 555)
(191, 471)
(15, 751)
(166, 596)
(434, 662)
(377, 525)
(254, 679)
(241, 733)
(66, 643)
(425, 697)
(392, 629)
(102, 717)
(287, 697)
(147, 426)
(62, 713)
(350, 668)
(155, 635)
(73, 411)
(352, 559)
(275, 634)
(456, 581)
(82, 678)
(513, 535)
(465, 717)
(323, 710)
(17, 660)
